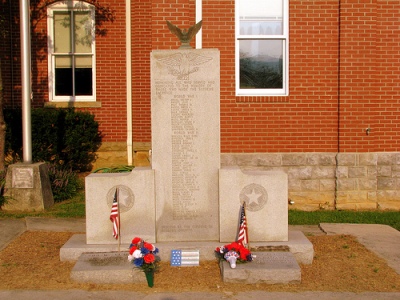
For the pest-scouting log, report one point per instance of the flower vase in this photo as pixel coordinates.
(150, 277)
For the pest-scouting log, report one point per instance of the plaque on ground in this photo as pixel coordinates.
(110, 267)
(185, 116)
(267, 267)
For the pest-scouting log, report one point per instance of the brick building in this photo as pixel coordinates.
(323, 106)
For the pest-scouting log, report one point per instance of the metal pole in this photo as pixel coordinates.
(26, 80)
(128, 50)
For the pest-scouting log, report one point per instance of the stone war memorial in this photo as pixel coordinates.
(185, 200)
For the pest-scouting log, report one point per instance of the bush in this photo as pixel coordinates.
(2, 184)
(63, 137)
(64, 182)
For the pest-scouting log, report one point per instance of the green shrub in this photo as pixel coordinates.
(64, 137)
(65, 183)
(2, 184)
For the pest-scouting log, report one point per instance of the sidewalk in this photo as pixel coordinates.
(380, 239)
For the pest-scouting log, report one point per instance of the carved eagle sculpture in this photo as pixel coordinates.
(184, 36)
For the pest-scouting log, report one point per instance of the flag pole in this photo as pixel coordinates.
(247, 226)
(119, 224)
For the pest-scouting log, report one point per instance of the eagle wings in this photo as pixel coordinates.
(185, 36)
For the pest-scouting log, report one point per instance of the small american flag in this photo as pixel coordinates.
(242, 234)
(114, 216)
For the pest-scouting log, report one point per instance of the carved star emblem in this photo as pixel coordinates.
(253, 197)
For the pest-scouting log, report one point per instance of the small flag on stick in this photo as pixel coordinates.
(114, 216)
(242, 233)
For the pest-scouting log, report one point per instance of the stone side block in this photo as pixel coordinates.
(300, 172)
(267, 267)
(347, 159)
(384, 171)
(356, 172)
(104, 268)
(294, 159)
(346, 184)
(367, 159)
(323, 172)
(342, 172)
(327, 185)
(367, 184)
(266, 197)
(310, 185)
(388, 158)
(321, 159)
(312, 197)
(387, 183)
(136, 205)
(393, 195)
(352, 197)
(356, 206)
(389, 205)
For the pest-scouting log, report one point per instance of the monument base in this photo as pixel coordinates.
(267, 267)
(298, 245)
(28, 188)
(103, 268)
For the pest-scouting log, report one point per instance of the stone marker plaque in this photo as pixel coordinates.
(185, 143)
(22, 178)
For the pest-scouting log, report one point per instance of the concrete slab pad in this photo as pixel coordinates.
(56, 224)
(380, 239)
(267, 267)
(10, 229)
(110, 267)
(299, 246)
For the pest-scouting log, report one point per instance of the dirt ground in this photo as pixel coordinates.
(340, 264)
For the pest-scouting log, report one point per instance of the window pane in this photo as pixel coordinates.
(62, 32)
(63, 76)
(261, 65)
(83, 32)
(261, 17)
(83, 76)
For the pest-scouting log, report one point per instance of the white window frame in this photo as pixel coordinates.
(64, 6)
(284, 91)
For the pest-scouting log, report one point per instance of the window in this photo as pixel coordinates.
(71, 51)
(262, 47)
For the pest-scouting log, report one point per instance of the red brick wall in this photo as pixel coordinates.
(336, 90)
(304, 121)
(387, 94)
(358, 107)
(111, 74)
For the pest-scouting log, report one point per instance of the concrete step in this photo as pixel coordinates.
(267, 267)
(103, 268)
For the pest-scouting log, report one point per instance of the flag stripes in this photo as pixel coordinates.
(114, 216)
(242, 233)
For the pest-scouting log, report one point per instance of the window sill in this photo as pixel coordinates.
(67, 104)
